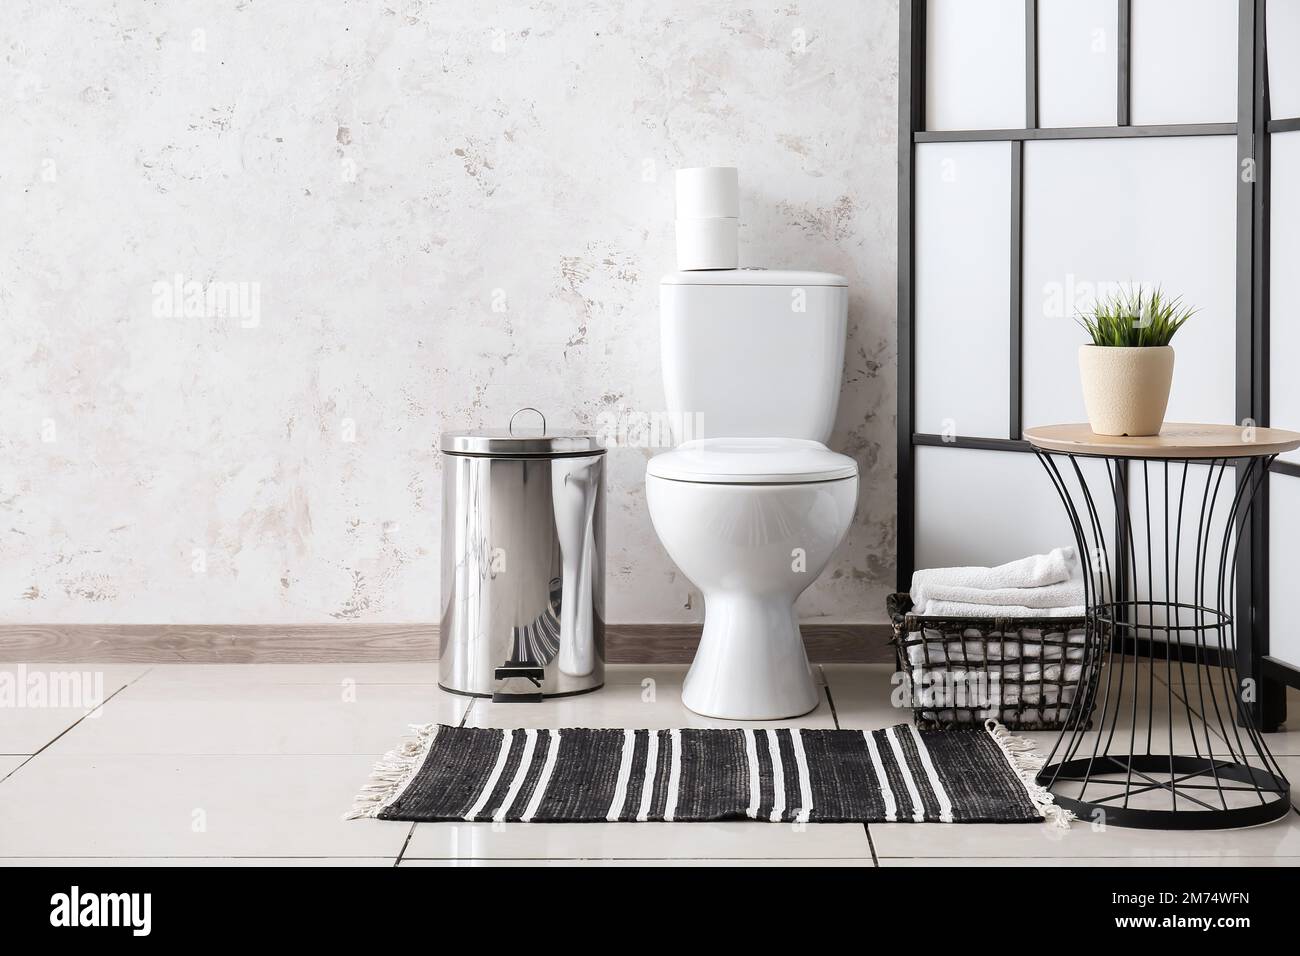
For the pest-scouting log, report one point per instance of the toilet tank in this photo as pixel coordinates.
(752, 353)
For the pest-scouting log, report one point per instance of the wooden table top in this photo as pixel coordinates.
(1176, 440)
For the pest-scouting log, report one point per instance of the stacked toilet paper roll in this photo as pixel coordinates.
(708, 218)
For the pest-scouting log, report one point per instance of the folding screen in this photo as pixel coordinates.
(1282, 249)
(1077, 62)
(1052, 150)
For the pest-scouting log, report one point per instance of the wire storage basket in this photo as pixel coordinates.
(1027, 673)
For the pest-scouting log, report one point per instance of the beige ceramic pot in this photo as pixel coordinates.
(1126, 389)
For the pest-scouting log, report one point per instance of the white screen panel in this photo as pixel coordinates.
(977, 507)
(1284, 567)
(975, 64)
(1284, 296)
(1077, 62)
(1103, 213)
(963, 298)
(1184, 61)
(1284, 58)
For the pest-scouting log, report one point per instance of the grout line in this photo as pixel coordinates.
(67, 729)
(628, 859)
(401, 854)
(698, 859)
(189, 754)
(405, 843)
(1090, 860)
(300, 683)
(204, 856)
(1193, 706)
(835, 717)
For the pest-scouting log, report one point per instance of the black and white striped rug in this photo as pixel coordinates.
(582, 775)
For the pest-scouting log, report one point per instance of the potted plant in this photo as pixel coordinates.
(1128, 368)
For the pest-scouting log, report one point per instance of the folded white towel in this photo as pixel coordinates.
(960, 652)
(1050, 634)
(1036, 571)
(1029, 694)
(990, 697)
(1062, 594)
(963, 609)
(1030, 715)
(1006, 674)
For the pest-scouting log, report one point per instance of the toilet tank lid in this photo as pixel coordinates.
(781, 277)
(752, 461)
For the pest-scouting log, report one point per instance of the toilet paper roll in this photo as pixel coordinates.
(708, 243)
(708, 192)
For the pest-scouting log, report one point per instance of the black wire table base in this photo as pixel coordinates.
(1161, 734)
(1175, 781)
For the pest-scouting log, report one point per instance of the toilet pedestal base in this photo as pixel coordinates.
(751, 663)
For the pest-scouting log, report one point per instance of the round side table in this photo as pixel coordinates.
(1157, 736)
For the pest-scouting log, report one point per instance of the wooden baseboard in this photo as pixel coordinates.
(676, 643)
(374, 643)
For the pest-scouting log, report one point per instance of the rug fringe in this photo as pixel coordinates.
(1026, 763)
(393, 773)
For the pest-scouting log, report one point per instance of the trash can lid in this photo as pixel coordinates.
(518, 441)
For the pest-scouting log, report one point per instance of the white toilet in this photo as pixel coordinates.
(752, 511)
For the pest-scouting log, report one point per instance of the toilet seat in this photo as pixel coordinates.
(752, 461)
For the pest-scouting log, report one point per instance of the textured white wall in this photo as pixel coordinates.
(370, 180)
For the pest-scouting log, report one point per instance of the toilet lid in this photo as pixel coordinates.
(752, 461)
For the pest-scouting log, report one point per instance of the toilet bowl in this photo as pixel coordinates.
(752, 510)
(752, 523)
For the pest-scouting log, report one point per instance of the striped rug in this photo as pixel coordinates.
(791, 775)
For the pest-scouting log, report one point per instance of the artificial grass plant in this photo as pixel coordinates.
(1135, 318)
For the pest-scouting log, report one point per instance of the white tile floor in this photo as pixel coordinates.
(255, 764)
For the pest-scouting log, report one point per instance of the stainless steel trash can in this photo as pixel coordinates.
(523, 563)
